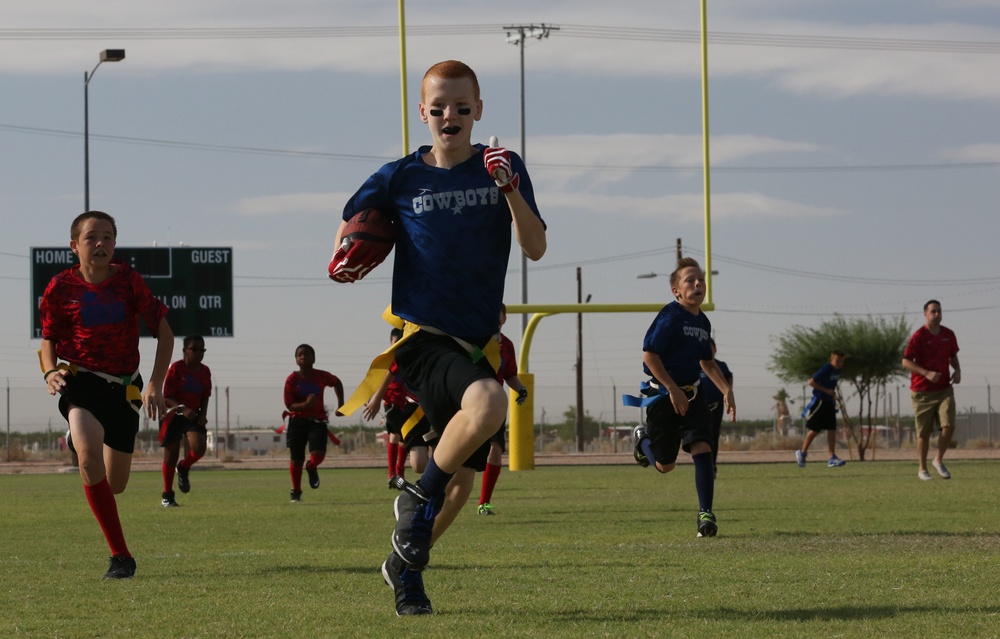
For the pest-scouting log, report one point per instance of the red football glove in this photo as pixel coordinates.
(354, 259)
(498, 165)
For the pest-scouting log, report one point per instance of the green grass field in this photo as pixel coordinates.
(862, 551)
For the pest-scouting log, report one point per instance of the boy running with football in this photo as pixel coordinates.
(455, 205)
(676, 349)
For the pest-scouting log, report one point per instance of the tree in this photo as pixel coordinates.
(874, 348)
(567, 429)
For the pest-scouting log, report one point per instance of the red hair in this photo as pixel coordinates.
(451, 70)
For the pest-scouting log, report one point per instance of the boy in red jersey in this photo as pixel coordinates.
(186, 391)
(399, 404)
(308, 421)
(507, 373)
(932, 349)
(89, 317)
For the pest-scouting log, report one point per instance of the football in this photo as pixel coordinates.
(367, 240)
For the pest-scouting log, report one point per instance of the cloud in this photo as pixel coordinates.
(975, 153)
(598, 160)
(584, 46)
(690, 208)
(291, 204)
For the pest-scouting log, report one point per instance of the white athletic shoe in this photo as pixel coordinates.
(941, 470)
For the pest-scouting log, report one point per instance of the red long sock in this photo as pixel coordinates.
(296, 472)
(190, 459)
(168, 477)
(393, 452)
(490, 477)
(315, 459)
(401, 461)
(102, 503)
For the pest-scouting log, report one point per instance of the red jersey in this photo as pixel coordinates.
(508, 361)
(933, 352)
(187, 386)
(96, 325)
(298, 388)
(396, 395)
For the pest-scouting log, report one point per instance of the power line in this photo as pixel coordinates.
(631, 34)
(320, 155)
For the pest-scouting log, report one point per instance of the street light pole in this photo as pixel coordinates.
(108, 55)
(517, 34)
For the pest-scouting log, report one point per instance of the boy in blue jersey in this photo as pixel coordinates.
(455, 205)
(676, 350)
(821, 412)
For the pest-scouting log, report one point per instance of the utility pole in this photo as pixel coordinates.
(678, 249)
(579, 362)
(517, 34)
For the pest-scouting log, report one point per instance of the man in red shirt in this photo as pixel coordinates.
(930, 356)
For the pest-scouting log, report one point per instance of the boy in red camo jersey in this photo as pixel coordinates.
(392, 394)
(89, 316)
(308, 421)
(186, 390)
(506, 373)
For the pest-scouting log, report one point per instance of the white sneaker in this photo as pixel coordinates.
(941, 470)
(924, 475)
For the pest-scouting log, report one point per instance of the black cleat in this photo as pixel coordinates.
(408, 584)
(121, 567)
(707, 526)
(415, 514)
(168, 500)
(296, 496)
(183, 478)
(638, 434)
(313, 476)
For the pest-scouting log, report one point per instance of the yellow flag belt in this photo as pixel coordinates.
(380, 365)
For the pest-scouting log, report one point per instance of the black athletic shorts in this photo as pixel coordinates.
(823, 417)
(668, 431)
(305, 431)
(180, 426)
(106, 401)
(439, 371)
(421, 436)
(396, 417)
(501, 438)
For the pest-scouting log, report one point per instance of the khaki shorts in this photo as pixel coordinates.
(934, 408)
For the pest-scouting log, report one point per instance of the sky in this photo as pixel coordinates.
(854, 165)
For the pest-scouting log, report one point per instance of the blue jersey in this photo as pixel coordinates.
(827, 377)
(680, 338)
(452, 241)
(708, 388)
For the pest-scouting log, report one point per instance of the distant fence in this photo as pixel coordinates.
(236, 409)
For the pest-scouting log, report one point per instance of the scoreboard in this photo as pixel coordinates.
(196, 284)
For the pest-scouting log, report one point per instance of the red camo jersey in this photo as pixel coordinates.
(96, 325)
(508, 361)
(298, 388)
(187, 386)
(396, 394)
(933, 352)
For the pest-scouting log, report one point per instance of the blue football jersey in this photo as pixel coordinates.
(827, 377)
(681, 339)
(453, 240)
